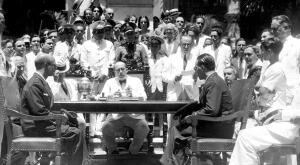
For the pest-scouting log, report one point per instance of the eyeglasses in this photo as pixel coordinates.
(248, 54)
(99, 31)
(241, 45)
(214, 36)
(52, 37)
(180, 21)
(35, 41)
(120, 69)
(23, 45)
(196, 68)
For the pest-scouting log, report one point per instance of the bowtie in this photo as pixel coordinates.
(122, 82)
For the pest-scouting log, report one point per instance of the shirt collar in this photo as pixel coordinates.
(40, 75)
(209, 74)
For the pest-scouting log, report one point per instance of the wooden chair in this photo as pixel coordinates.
(30, 144)
(241, 93)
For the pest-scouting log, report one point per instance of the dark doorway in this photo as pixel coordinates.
(23, 16)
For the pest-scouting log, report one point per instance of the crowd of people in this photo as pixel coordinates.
(185, 65)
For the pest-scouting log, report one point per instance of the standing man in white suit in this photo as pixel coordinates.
(180, 71)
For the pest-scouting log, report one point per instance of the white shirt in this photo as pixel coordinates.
(3, 71)
(157, 71)
(175, 68)
(290, 58)
(201, 41)
(274, 80)
(30, 65)
(113, 85)
(222, 59)
(66, 51)
(169, 47)
(98, 57)
(58, 92)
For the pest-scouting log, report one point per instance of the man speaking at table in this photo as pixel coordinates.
(124, 86)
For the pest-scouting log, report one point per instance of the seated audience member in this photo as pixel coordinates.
(131, 52)
(180, 71)
(37, 100)
(253, 63)
(230, 74)
(215, 100)
(274, 117)
(124, 86)
(157, 63)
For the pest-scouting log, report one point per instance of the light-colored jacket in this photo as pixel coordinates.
(97, 57)
(175, 68)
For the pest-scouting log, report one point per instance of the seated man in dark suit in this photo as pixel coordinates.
(37, 100)
(215, 101)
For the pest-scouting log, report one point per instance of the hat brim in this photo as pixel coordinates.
(129, 31)
(63, 69)
(157, 38)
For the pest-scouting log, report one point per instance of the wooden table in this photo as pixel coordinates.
(120, 106)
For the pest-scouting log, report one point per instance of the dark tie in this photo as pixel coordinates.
(65, 88)
(88, 35)
(184, 61)
(122, 82)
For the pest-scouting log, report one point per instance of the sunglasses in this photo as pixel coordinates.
(99, 31)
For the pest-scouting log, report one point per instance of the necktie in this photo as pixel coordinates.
(122, 82)
(65, 88)
(184, 61)
(88, 35)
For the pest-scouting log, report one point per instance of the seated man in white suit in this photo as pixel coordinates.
(124, 86)
(274, 117)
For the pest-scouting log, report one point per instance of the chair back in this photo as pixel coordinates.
(241, 92)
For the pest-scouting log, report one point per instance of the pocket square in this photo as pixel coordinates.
(45, 94)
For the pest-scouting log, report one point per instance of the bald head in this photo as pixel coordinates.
(120, 70)
(186, 44)
(43, 60)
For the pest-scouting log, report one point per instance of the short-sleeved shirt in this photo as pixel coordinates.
(274, 79)
(134, 59)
